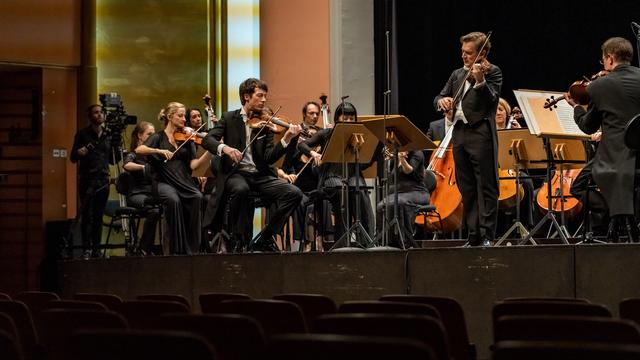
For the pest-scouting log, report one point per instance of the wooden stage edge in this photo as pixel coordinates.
(476, 277)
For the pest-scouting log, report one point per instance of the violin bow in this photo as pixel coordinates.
(461, 87)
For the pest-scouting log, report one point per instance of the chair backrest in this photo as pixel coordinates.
(565, 328)
(7, 325)
(275, 316)
(562, 350)
(453, 320)
(36, 301)
(139, 344)
(388, 307)
(630, 309)
(424, 328)
(145, 314)
(75, 304)
(209, 302)
(59, 324)
(632, 133)
(556, 299)
(548, 308)
(4, 296)
(235, 337)
(166, 297)
(312, 305)
(21, 316)
(124, 183)
(333, 346)
(9, 348)
(111, 301)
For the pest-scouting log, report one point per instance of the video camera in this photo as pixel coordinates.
(116, 119)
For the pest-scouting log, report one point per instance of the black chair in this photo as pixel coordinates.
(632, 133)
(132, 215)
(562, 350)
(210, 302)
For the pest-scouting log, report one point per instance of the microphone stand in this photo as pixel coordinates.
(635, 29)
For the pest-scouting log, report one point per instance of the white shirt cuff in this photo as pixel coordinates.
(284, 143)
(480, 84)
(219, 150)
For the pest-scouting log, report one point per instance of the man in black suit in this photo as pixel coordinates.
(251, 170)
(614, 101)
(474, 100)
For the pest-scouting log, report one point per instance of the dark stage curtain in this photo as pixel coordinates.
(538, 45)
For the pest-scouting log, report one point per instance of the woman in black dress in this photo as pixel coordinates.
(173, 164)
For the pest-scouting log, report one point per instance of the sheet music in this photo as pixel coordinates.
(541, 121)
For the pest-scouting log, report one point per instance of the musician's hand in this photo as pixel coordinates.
(329, 126)
(166, 153)
(83, 151)
(477, 72)
(292, 132)
(515, 124)
(597, 136)
(202, 181)
(317, 158)
(445, 103)
(233, 153)
(569, 99)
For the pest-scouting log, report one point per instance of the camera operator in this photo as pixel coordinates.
(92, 150)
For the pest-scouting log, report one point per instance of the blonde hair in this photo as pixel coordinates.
(505, 105)
(168, 111)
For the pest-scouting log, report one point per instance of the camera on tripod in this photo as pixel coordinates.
(116, 118)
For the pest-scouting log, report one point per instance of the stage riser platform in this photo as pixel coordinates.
(477, 277)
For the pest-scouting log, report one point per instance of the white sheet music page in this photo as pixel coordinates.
(539, 119)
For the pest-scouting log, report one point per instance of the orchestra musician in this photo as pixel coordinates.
(173, 163)
(411, 193)
(141, 193)
(251, 170)
(331, 175)
(474, 135)
(503, 119)
(93, 152)
(438, 128)
(613, 102)
(305, 176)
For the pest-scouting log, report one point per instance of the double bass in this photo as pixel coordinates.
(445, 197)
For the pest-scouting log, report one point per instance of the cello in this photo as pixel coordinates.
(445, 197)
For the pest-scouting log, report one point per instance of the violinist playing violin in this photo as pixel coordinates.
(252, 169)
(613, 102)
(173, 163)
(305, 176)
(473, 92)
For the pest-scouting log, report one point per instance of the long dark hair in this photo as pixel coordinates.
(135, 134)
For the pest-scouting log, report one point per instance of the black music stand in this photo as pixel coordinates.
(351, 143)
(399, 134)
(517, 151)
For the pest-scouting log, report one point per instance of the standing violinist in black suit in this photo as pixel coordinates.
(614, 101)
(474, 100)
(252, 169)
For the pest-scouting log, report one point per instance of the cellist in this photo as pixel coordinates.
(472, 92)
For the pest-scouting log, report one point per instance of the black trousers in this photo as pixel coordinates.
(271, 190)
(93, 199)
(336, 198)
(474, 154)
(183, 214)
(597, 203)
(407, 204)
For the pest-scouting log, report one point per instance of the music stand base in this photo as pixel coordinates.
(554, 223)
(357, 229)
(589, 240)
(517, 226)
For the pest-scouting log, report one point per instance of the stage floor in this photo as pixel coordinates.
(476, 277)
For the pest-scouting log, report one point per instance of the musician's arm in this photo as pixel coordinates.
(590, 120)
(490, 88)
(447, 91)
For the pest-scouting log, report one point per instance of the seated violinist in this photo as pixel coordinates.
(248, 153)
(506, 215)
(173, 164)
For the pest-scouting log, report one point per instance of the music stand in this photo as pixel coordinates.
(351, 143)
(400, 134)
(525, 151)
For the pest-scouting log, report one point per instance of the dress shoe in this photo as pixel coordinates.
(473, 240)
(631, 228)
(486, 242)
(612, 233)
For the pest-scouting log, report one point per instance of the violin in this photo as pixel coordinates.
(276, 125)
(577, 90)
(187, 134)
